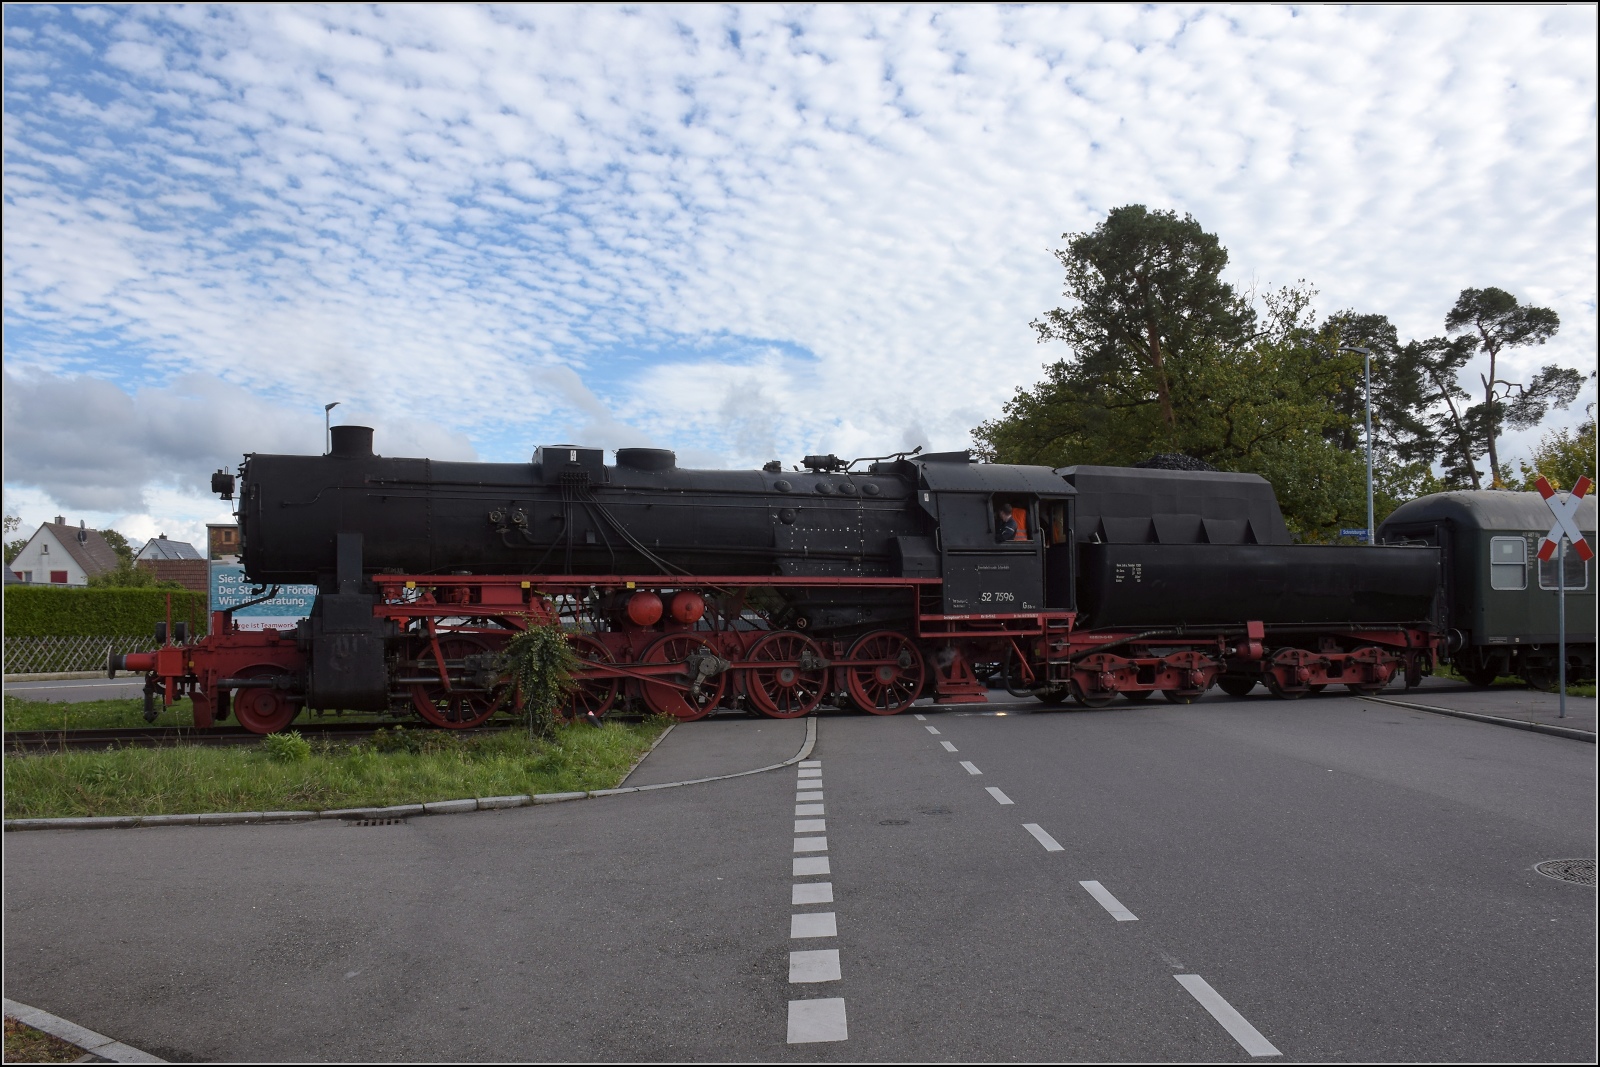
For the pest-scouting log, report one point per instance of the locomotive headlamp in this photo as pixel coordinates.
(222, 484)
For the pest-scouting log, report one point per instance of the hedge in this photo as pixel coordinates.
(43, 611)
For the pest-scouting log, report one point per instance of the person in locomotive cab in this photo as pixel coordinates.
(1005, 523)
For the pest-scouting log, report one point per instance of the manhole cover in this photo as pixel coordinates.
(935, 811)
(1580, 872)
(894, 822)
(377, 822)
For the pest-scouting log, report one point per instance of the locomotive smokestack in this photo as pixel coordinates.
(352, 442)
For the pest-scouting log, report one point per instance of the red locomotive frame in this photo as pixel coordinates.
(713, 643)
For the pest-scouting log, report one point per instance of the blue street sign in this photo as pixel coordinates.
(1359, 535)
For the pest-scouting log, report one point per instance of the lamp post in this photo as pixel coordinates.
(1371, 532)
(327, 433)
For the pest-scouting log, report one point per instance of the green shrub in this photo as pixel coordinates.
(286, 747)
(43, 611)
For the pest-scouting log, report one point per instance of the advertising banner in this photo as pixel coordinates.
(229, 588)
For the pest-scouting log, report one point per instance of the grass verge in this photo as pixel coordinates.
(1509, 681)
(396, 767)
(24, 1044)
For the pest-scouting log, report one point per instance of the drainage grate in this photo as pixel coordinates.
(934, 811)
(1580, 872)
(376, 822)
(894, 822)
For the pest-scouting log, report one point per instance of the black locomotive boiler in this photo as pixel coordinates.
(865, 584)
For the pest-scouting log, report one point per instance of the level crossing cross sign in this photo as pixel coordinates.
(1566, 513)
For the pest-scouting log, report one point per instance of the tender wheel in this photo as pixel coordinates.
(590, 696)
(264, 711)
(1367, 690)
(1137, 696)
(1235, 686)
(686, 701)
(1545, 678)
(1284, 694)
(1183, 696)
(885, 673)
(1054, 697)
(1319, 687)
(1099, 698)
(789, 677)
(454, 709)
(1476, 671)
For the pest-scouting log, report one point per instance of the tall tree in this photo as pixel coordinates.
(1150, 299)
(1491, 320)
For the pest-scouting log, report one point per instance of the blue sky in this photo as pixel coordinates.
(744, 233)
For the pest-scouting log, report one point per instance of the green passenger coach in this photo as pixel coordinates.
(1499, 601)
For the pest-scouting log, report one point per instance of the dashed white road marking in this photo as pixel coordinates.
(970, 768)
(803, 796)
(948, 747)
(808, 809)
(1109, 902)
(920, 718)
(999, 797)
(1238, 1027)
(814, 965)
(931, 729)
(810, 826)
(806, 865)
(1050, 844)
(811, 844)
(811, 772)
(810, 763)
(817, 1020)
(813, 924)
(812, 893)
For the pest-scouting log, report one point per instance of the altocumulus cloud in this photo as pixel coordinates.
(741, 232)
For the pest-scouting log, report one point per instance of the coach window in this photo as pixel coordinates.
(1508, 563)
(1577, 576)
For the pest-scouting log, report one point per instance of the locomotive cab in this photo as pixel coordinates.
(1003, 534)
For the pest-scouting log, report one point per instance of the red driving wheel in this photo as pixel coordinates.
(885, 672)
(589, 696)
(676, 694)
(789, 676)
(452, 708)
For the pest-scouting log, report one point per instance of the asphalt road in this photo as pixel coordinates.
(1351, 881)
(77, 690)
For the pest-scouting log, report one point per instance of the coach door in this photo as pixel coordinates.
(983, 574)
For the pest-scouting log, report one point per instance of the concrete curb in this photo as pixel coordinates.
(397, 811)
(94, 1044)
(1497, 720)
(64, 676)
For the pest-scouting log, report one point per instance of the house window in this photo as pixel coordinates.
(1508, 563)
(58, 577)
(26, 576)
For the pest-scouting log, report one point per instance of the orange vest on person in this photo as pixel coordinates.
(1020, 517)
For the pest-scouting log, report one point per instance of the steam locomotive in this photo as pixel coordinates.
(866, 584)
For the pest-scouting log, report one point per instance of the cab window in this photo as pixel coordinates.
(1012, 520)
(1508, 563)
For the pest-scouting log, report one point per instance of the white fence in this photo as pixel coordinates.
(48, 655)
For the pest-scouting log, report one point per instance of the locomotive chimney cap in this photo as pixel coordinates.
(351, 442)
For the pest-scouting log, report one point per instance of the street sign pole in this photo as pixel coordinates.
(1561, 617)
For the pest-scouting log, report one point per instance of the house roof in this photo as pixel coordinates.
(162, 548)
(94, 554)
